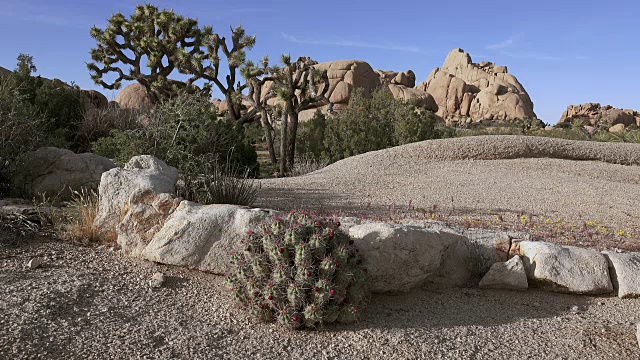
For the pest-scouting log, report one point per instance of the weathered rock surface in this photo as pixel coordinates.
(400, 258)
(116, 186)
(94, 100)
(4, 72)
(145, 214)
(565, 269)
(134, 96)
(56, 172)
(406, 78)
(415, 96)
(472, 256)
(594, 113)
(202, 237)
(479, 91)
(508, 275)
(625, 273)
(347, 75)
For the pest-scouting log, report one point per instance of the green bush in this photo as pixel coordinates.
(59, 104)
(303, 272)
(367, 124)
(22, 129)
(186, 133)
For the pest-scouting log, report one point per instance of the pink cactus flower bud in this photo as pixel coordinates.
(281, 250)
(337, 223)
(270, 297)
(316, 289)
(309, 273)
(332, 292)
(261, 307)
(294, 318)
(331, 234)
(318, 224)
(292, 212)
(337, 264)
(278, 219)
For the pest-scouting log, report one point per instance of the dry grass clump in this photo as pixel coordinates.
(79, 216)
(306, 164)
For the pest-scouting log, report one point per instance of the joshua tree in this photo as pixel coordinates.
(295, 85)
(257, 77)
(206, 65)
(157, 36)
(169, 42)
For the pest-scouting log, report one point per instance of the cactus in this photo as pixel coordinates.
(301, 272)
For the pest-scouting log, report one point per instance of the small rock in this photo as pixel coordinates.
(157, 280)
(34, 263)
(575, 309)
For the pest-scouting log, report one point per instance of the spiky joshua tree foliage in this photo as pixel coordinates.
(302, 271)
(159, 37)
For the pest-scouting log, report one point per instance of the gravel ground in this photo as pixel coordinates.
(88, 303)
(474, 175)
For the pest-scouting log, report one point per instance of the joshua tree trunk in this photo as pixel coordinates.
(293, 132)
(268, 136)
(283, 144)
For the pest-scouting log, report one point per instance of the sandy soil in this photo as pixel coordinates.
(87, 303)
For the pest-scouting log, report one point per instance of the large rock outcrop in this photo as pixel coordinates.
(55, 173)
(134, 96)
(481, 91)
(592, 114)
(117, 185)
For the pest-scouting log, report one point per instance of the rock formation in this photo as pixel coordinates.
(56, 172)
(4, 72)
(481, 91)
(134, 96)
(591, 114)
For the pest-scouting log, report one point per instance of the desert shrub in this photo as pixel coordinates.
(310, 138)
(186, 133)
(212, 183)
(99, 123)
(80, 214)
(302, 272)
(376, 122)
(60, 104)
(22, 129)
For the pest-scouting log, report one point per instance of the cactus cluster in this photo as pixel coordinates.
(302, 272)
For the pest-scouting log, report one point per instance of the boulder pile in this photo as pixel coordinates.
(478, 92)
(593, 114)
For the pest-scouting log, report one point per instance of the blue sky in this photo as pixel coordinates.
(563, 51)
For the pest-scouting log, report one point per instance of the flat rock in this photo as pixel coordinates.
(508, 275)
(625, 273)
(564, 269)
(400, 257)
(202, 237)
